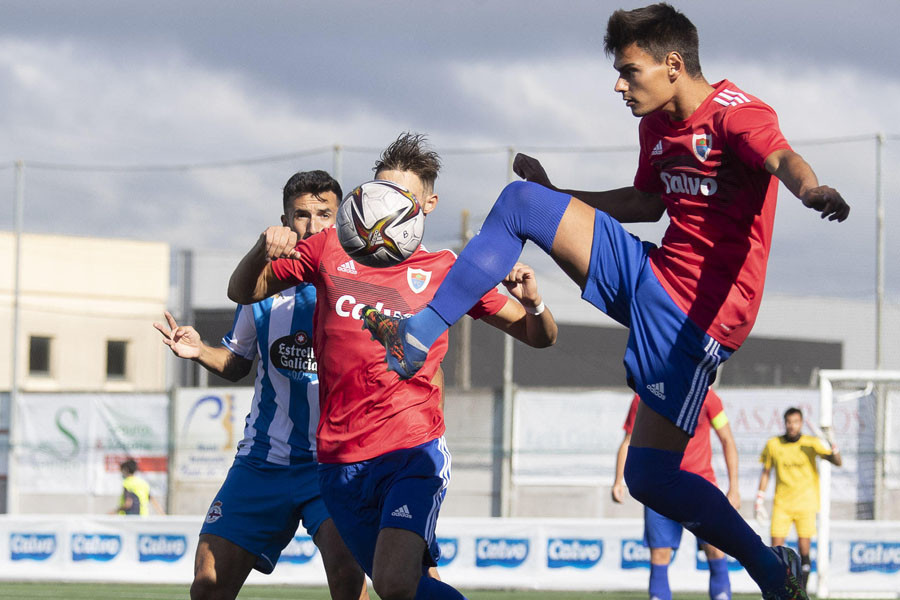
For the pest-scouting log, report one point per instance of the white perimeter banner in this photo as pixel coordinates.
(564, 554)
(74, 443)
(209, 422)
(571, 438)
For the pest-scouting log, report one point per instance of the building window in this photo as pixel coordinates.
(116, 352)
(39, 355)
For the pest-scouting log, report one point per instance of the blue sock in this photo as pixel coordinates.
(524, 211)
(432, 589)
(654, 477)
(719, 585)
(659, 582)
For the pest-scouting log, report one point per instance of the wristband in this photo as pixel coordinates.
(760, 496)
(535, 310)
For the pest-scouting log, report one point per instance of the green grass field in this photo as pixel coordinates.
(112, 591)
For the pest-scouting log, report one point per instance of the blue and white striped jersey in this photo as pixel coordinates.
(281, 426)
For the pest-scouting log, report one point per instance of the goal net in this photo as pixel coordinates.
(859, 521)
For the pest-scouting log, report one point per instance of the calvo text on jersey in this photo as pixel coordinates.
(347, 306)
(681, 183)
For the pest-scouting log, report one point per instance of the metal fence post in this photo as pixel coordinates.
(12, 497)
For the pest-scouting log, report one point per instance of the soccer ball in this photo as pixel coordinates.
(380, 224)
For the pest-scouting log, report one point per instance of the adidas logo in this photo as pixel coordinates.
(658, 390)
(657, 149)
(402, 512)
(348, 267)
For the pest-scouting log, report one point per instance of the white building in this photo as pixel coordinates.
(85, 311)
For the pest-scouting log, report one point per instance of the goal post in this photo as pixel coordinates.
(833, 386)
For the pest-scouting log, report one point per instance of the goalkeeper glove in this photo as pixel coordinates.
(759, 509)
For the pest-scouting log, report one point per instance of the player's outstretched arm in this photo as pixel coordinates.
(759, 507)
(801, 180)
(835, 456)
(729, 449)
(156, 505)
(618, 488)
(185, 342)
(253, 278)
(626, 205)
(526, 318)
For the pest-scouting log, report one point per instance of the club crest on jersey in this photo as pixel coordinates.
(417, 279)
(702, 145)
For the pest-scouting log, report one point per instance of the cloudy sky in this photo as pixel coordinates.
(115, 85)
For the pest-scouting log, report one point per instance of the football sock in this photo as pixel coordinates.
(805, 568)
(432, 589)
(719, 585)
(659, 582)
(654, 477)
(524, 211)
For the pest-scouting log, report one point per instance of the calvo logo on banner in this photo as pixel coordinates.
(578, 553)
(882, 557)
(449, 548)
(95, 546)
(165, 548)
(500, 552)
(301, 550)
(635, 555)
(31, 546)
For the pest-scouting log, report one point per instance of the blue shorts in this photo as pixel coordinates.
(260, 506)
(402, 489)
(662, 532)
(669, 361)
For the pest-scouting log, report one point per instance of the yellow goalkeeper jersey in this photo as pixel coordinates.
(796, 473)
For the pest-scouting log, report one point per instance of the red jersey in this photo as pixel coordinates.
(367, 410)
(698, 454)
(710, 171)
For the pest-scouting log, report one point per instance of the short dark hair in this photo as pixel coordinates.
(129, 466)
(410, 152)
(657, 30)
(310, 182)
(793, 411)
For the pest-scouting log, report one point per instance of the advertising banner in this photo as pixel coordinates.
(74, 443)
(571, 438)
(567, 437)
(209, 422)
(562, 554)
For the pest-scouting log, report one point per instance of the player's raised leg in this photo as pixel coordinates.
(345, 576)
(659, 588)
(803, 548)
(220, 568)
(654, 477)
(398, 573)
(719, 583)
(524, 211)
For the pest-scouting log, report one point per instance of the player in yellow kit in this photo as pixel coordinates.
(796, 483)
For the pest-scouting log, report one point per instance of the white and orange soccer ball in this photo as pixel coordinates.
(380, 224)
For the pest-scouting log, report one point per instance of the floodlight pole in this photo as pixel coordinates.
(12, 499)
(879, 253)
(337, 163)
(464, 354)
(506, 487)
